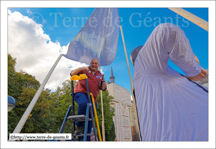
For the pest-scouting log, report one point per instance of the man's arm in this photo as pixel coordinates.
(76, 71)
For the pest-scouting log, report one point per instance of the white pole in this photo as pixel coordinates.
(130, 82)
(34, 100)
(103, 128)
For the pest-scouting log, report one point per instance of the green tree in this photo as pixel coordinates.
(110, 136)
(13, 88)
(61, 102)
(39, 119)
(23, 86)
(18, 80)
(27, 81)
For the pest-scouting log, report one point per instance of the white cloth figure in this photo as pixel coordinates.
(170, 107)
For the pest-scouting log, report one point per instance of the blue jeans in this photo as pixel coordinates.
(82, 100)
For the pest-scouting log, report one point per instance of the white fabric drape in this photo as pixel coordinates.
(97, 39)
(170, 108)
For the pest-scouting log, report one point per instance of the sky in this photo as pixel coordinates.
(38, 35)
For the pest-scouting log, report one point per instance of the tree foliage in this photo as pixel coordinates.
(61, 102)
(23, 86)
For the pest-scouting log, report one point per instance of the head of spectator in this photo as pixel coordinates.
(134, 54)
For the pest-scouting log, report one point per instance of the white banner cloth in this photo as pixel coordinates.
(97, 39)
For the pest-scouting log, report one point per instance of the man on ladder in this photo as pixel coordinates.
(96, 82)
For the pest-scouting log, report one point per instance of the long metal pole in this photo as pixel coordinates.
(130, 82)
(34, 100)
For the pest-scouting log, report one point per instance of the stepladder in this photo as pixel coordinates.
(89, 116)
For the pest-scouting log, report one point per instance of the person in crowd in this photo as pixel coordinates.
(96, 82)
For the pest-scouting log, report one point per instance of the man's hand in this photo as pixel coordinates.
(76, 71)
(200, 76)
(104, 86)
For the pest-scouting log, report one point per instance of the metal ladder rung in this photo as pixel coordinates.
(78, 118)
(80, 135)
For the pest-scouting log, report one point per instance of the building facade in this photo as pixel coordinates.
(122, 105)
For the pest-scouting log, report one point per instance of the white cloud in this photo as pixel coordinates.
(35, 52)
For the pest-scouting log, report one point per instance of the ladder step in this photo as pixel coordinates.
(81, 135)
(78, 118)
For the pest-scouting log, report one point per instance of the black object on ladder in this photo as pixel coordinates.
(80, 118)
